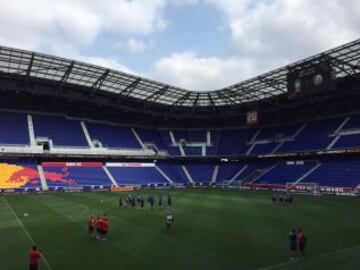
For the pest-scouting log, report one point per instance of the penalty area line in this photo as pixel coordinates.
(310, 259)
(25, 230)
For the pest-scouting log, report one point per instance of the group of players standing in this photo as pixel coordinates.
(101, 224)
(98, 228)
(137, 200)
(286, 199)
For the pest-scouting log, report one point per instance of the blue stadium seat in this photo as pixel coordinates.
(137, 175)
(227, 171)
(174, 172)
(347, 141)
(76, 176)
(285, 173)
(62, 131)
(339, 173)
(315, 136)
(13, 128)
(201, 172)
(113, 136)
(153, 136)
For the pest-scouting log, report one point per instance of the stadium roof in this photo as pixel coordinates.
(345, 61)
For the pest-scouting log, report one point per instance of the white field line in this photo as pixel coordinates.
(25, 230)
(314, 258)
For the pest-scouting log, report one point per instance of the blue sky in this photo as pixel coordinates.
(195, 44)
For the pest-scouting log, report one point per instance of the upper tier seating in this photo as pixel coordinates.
(264, 148)
(347, 141)
(190, 136)
(113, 136)
(62, 131)
(353, 123)
(314, 136)
(317, 135)
(277, 132)
(13, 128)
(234, 141)
(152, 136)
(192, 151)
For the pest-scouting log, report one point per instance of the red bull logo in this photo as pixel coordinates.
(59, 179)
(16, 176)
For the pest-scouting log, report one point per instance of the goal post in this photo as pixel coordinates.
(304, 187)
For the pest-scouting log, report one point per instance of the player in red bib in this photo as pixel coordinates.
(34, 258)
(105, 226)
(98, 227)
(301, 241)
(91, 225)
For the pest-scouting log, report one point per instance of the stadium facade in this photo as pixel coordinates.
(68, 125)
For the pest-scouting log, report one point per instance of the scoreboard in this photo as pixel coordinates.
(307, 79)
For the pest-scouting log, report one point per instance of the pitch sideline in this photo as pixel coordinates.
(25, 230)
(314, 258)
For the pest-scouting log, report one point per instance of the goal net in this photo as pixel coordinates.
(311, 188)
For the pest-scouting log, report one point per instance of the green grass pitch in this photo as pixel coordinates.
(213, 230)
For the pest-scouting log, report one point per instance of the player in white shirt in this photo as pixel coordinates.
(169, 221)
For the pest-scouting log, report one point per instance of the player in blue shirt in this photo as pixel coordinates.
(169, 200)
(293, 244)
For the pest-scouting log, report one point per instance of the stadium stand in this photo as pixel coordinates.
(185, 126)
(63, 132)
(265, 148)
(318, 131)
(18, 174)
(152, 136)
(347, 141)
(227, 171)
(174, 172)
(234, 141)
(201, 172)
(112, 136)
(340, 173)
(253, 170)
(13, 128)
(67, 176)
(125, 176)
(286, 172)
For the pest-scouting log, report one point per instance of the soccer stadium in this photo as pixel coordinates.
(260, 174)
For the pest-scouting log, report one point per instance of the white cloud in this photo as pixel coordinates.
(287, 30)
(64, 27)
(109, 62)
(134, 45)
(264, 35)
(190, 71)
(42, 24)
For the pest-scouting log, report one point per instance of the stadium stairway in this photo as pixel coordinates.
(44, 184)
(108, 173)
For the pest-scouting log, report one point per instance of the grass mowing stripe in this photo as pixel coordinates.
(314, 258)
(25, 231)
